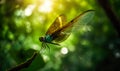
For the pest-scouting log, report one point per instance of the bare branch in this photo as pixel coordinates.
(24, 64)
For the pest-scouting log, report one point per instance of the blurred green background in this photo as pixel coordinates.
(22, 22)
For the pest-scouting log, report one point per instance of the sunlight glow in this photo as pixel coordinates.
(28, 11)
(64, 50)
(46, 6)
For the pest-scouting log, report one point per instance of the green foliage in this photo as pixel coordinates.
(23, 22)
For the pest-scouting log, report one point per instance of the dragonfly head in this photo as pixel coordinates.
(41, 39)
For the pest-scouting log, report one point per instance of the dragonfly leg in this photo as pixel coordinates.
(47, 46)
(43, 47)
(55, 44)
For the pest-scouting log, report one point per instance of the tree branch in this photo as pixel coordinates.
(111, 14)
(24, 64)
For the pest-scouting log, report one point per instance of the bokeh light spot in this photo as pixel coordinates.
(117, 54)
(35, 47)
(83, 3)
(46, 58)
(46, 6)
(28, 11)
(64, 50)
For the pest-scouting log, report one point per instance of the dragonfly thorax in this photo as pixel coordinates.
(47, 38)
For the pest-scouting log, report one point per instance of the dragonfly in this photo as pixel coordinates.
(60, 30)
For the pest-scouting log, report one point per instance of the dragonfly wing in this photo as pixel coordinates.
(63, 34)
(74, 24)
(57, 24)
(82, 19)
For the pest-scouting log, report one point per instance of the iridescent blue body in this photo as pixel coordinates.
(47, 39)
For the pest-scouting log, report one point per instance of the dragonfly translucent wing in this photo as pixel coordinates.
(57, 24)
(63, 34)
(82, 19)
(74, 24)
